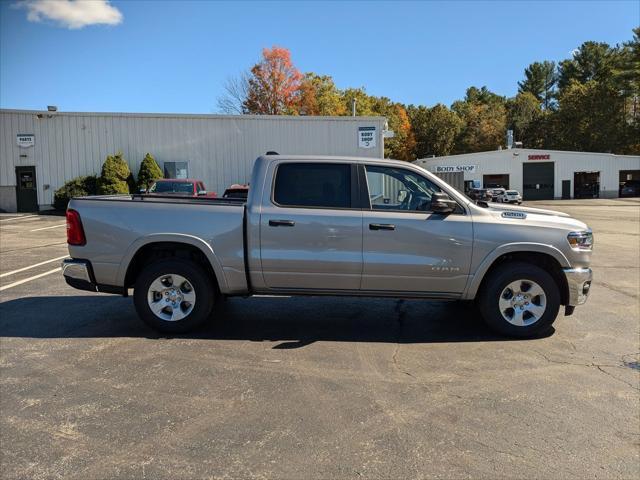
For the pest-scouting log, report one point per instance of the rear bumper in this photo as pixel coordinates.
(79, 275)
(579, 283)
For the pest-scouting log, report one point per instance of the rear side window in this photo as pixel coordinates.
(313, 185)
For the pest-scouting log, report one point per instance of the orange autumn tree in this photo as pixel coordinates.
(274, 84)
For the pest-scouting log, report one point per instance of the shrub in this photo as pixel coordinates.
(149, 171)
(78, 187)
(115, 178)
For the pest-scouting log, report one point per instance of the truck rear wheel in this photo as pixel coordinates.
(519, 300)
(174, 296)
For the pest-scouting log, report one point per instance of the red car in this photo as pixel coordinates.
(236, 190)
(186, 187)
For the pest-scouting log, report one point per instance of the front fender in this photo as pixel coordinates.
(203, 246)
(517, 247)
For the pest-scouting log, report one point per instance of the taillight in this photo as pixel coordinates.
(75, 232)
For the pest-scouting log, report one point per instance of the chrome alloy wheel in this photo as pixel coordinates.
(522, 303)
(171, 297)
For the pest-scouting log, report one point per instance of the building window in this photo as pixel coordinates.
(176, 170)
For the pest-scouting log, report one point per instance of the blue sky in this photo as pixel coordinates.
(168, 56)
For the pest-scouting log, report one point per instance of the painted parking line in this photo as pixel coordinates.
(20, 282)
(47, 228)
(23, 217)
(13, 272)
(17, 219)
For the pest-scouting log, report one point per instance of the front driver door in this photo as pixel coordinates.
(406, 247)
(311, 228)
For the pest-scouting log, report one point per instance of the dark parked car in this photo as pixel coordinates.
(496, 192)
(630, 188)
(482, 194)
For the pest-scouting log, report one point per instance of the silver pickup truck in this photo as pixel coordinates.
(316, 225)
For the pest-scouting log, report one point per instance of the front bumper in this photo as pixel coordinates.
(79, 274)
(579, 283)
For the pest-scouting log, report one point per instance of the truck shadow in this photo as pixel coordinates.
(295, 322)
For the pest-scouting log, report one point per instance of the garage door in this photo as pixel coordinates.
(537, 181)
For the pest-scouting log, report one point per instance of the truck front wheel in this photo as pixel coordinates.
(519, 300)
(173, 296)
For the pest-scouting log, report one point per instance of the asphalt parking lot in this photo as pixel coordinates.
(317, 387)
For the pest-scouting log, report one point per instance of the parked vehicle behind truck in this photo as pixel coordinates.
(186, 187)
(330, 226)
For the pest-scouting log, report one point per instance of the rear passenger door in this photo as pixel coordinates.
(311, 228)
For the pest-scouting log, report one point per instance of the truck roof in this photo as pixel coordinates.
(310, 158)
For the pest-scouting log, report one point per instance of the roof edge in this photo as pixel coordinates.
(194, 115)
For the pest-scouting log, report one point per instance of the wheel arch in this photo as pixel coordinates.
(547, 257)
(148, 248)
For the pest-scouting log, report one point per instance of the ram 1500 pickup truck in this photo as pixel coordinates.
(315, 225)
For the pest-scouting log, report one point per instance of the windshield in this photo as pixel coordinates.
(172, 187)
(512, 192)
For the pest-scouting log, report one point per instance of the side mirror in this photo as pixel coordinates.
(441, 203)
(201, 193)
(402, 194)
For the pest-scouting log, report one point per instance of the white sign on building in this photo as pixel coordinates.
(366, 137)
(455, 168)
(26, 140)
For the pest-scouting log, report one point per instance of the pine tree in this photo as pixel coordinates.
(115, 178)
(149, 171)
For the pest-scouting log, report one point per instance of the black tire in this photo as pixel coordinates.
(493, 287)
(202, 283)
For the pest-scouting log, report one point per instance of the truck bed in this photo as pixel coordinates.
(115, 233)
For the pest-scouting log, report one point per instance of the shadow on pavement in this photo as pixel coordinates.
(296, 321)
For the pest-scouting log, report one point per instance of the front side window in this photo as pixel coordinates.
(392, 188)
(324, 185)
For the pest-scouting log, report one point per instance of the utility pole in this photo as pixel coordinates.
(353, 107)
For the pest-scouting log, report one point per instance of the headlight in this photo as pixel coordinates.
(581, 240)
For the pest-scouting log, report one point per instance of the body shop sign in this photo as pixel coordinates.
(366, 137)
(455, 168)
(26, 140)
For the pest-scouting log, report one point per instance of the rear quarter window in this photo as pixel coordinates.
(319, 185)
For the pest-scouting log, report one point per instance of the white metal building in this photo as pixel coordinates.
(539, 174)
(41, 150)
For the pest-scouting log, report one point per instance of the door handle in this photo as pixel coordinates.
(382, 226)
(281, 223)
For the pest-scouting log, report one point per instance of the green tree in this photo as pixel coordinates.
(590, 118)
(149, 171)
(484, 121)
(115, 177)
(540, 81)
(77, 187)
(591, 61)
(523, 113)
(364, 102)
(320, 96)
(435, 129)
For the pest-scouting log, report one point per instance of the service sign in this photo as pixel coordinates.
(26, 140)
(455, 168)
(538, 156)
(366, 137)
